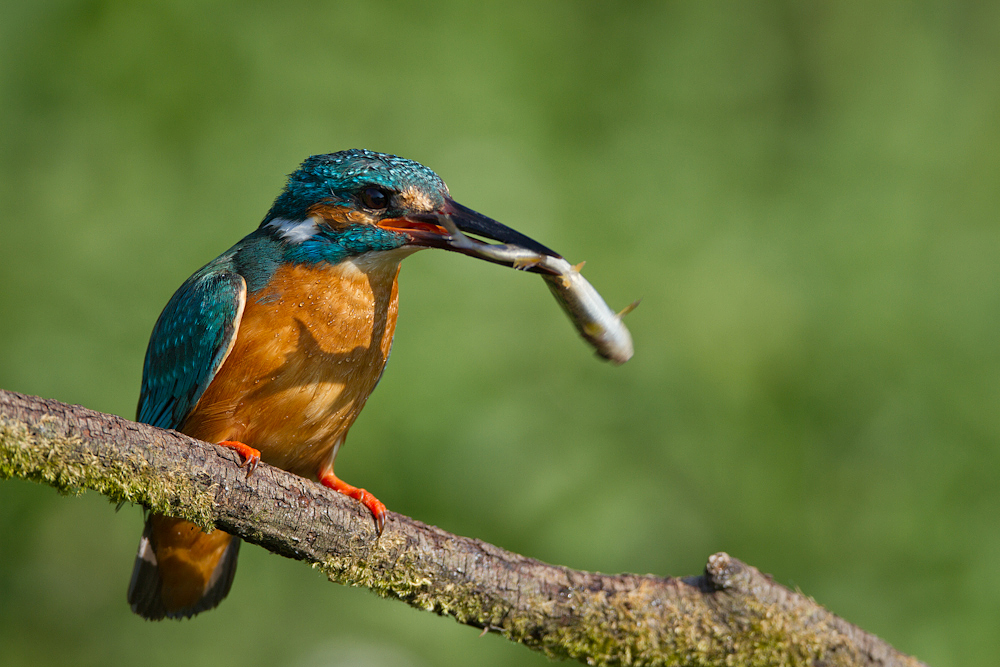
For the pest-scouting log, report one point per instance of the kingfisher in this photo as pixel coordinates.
(272, 348)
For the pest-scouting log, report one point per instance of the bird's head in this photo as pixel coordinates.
(355, 202)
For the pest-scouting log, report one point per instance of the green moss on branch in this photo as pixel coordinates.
(71, 467)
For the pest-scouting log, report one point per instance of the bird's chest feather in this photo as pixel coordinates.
(310, 348)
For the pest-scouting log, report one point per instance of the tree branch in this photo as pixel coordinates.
(730, 615)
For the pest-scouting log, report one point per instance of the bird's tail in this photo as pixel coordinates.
(180, 570)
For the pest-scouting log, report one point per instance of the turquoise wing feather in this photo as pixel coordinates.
(189, 343)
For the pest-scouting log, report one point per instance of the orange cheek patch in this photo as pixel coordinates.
(339, 216)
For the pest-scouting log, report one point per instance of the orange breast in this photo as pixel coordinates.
(309, 350)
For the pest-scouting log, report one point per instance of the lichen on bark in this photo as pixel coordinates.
(65, 462)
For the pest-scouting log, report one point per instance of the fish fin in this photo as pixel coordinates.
(629, 308)
(524, 263)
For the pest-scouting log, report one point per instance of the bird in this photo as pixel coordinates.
(272, 348)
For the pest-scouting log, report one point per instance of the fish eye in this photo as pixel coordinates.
(375, 198)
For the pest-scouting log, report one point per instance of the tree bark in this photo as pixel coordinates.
(730, 615)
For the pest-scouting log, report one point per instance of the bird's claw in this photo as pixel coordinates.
(250, 456)
(374, 505)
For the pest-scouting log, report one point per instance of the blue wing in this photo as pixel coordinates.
(191, 339)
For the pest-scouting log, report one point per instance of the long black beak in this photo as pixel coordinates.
(471, 222)
(437, 230)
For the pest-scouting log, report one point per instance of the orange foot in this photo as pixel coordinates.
(374, 505)
(251, 456)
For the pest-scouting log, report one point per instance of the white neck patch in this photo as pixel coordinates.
(295, 231)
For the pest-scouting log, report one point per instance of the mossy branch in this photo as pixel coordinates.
(730, 615)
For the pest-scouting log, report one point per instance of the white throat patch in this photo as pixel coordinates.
(295, 231)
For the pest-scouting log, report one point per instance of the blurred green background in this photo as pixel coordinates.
(804, 195)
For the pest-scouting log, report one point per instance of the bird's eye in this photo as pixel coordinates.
(375, 198)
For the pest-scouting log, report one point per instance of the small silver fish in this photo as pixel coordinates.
(597, 323)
